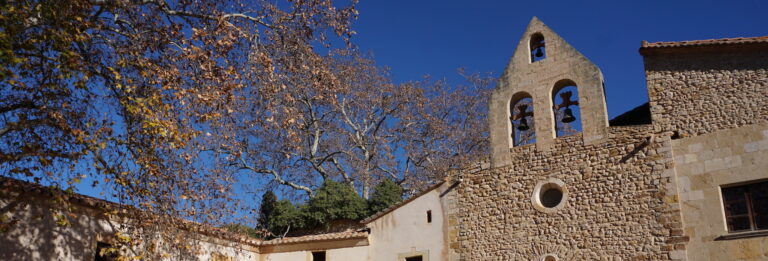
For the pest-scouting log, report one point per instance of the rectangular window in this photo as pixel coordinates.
(429, 216)
(746, 207)
(105, 252)
(318, 256)
(414, 258)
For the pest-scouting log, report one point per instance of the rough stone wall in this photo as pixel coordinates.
(623, 190)
(700, 91)
(622, 202)
(715, 101)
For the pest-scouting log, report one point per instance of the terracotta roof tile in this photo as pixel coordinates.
(25, 186)
(19, 185)
(319, 237)
(708, 42)
(88, 201)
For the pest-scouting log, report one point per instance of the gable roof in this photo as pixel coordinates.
(556, 46)
(400, 204)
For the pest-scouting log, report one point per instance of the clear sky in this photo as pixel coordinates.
(418, 37)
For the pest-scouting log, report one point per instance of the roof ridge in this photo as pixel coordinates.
(705, 42)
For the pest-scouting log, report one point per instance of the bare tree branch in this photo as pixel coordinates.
(23, 104)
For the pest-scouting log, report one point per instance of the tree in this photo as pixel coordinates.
(286, 217)
(370, 130)
(334, 201)
(385, 194)
(267, 209)
(166, 104)
(128, 92)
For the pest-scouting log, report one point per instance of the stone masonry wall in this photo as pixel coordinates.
(538, 79)
(621, 202)
(702, 165)
(715, 100)
(698, 92)
(450, 199)
(622, 189)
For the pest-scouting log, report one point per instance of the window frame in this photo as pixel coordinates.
(748, 190)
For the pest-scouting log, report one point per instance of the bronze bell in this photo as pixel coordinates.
(539, 53)
(568, 116)
(523, 126)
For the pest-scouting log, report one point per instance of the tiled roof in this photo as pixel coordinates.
(399, 204)
(315, 238)
(24, 186)
(646, 46)
(92, 202)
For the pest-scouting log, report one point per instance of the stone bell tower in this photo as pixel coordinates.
(542, 65)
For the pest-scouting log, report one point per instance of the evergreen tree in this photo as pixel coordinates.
(285, 217)
(334, 201)
(266, 211)
(385, 194)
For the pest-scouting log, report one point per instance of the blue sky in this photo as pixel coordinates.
(416, 38)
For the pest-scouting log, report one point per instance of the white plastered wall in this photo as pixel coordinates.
(405, 231)
(338, 254)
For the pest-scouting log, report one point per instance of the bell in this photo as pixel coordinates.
(568, 116)
(539, 53)
(523, 126)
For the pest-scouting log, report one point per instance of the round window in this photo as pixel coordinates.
(549, 195)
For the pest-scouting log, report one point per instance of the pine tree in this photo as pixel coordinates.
(334, 201)
(385, 194)
(286, 217)
(267, 209)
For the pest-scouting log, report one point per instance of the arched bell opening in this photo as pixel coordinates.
(523, 130)
(537, 47)
(566, 109)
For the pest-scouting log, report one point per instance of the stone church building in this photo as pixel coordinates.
(683, 177)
